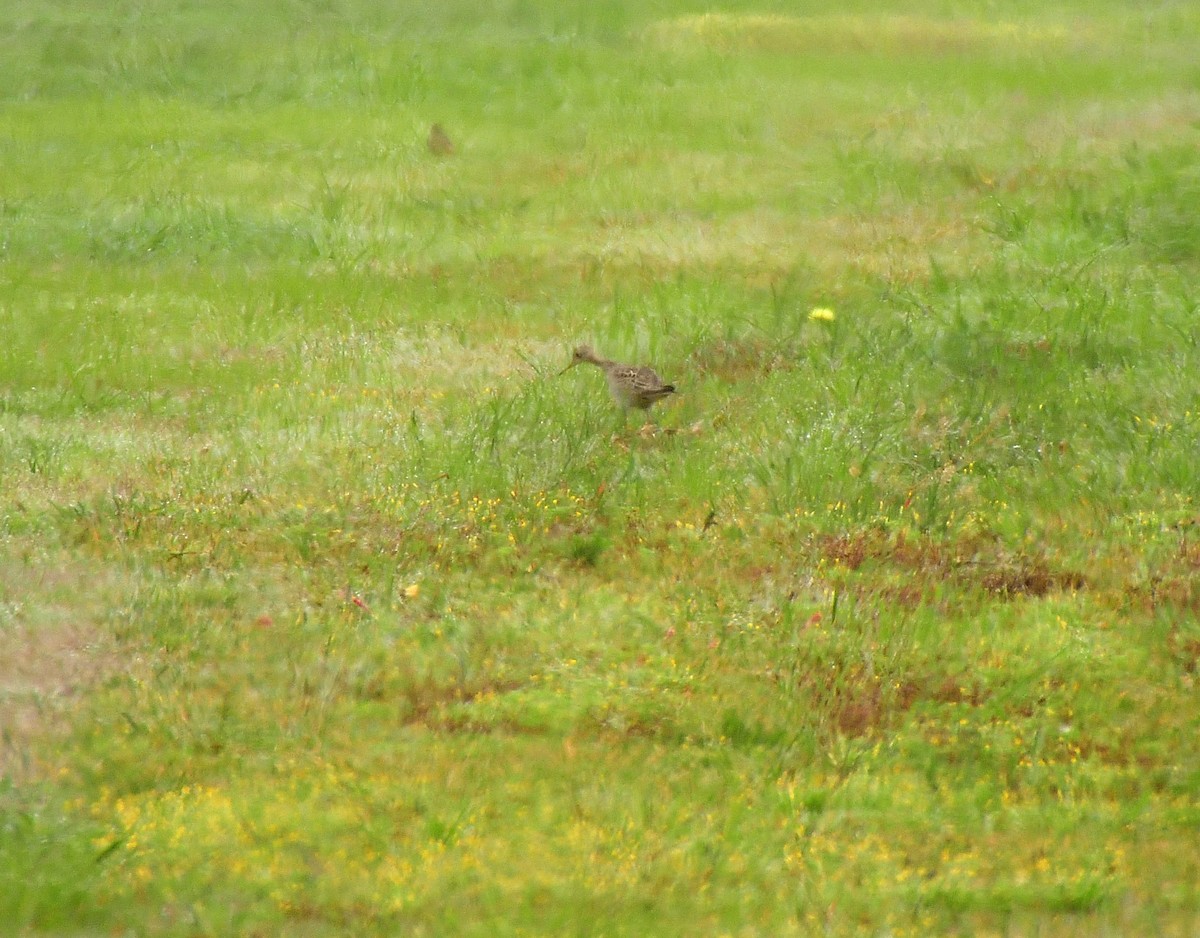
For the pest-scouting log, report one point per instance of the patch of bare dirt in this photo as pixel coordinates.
(974, 563)
(858, 703)
(51, 651)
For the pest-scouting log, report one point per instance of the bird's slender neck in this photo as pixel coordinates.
(594, 359)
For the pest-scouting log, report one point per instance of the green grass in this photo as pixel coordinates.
(328, 607)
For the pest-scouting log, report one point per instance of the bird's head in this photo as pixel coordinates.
(582, 353)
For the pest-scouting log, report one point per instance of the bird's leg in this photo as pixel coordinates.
(622, 422)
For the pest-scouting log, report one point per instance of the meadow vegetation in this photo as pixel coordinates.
(328, 607)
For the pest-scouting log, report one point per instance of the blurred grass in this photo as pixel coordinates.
(326, 606)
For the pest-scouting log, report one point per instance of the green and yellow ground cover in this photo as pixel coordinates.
(327, 607)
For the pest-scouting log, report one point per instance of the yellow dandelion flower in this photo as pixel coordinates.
(413, 590)
(821, 314)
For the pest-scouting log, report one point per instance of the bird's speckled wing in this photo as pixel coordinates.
(646, 379)
(636, 387)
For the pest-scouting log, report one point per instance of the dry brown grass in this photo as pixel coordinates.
(781, 35)
(49, 652)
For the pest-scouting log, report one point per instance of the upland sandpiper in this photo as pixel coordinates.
(439, 142)
(633, 388)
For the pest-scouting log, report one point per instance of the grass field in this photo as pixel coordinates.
(328, 607)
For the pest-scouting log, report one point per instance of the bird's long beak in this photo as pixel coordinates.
(568, 368)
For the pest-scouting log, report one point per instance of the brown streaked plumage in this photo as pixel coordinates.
(632, 387)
